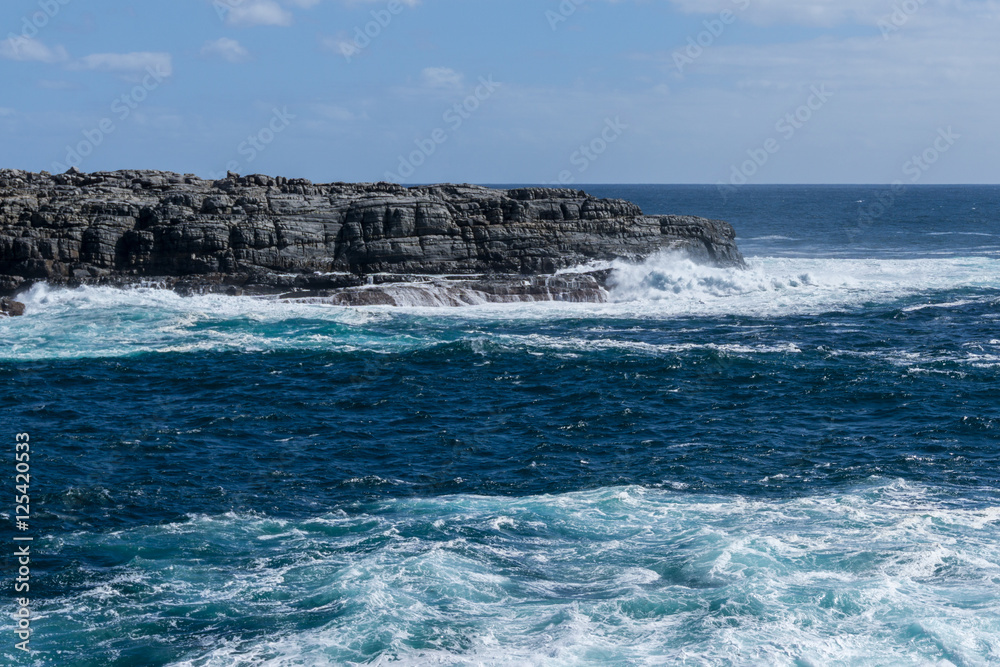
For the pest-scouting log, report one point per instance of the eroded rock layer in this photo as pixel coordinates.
(264, 234)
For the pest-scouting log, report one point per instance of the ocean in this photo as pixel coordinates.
(793, 464)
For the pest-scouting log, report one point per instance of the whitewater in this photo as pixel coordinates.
(665, 287)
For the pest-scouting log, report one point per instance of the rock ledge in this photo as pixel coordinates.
(272, 235)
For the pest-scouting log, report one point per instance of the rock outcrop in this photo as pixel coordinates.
(260, 234)
(11, 308)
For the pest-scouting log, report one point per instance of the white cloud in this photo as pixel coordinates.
(341, 44)
(827, 13)
(228, 49)
(408, 3)
(935, 55)
(441, 77)
(5, 111)
(127, 62)
(807, 12)
(258, 12)
(20, 48)
(245, 13)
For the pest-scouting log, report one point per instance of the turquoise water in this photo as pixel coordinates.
(795, 464)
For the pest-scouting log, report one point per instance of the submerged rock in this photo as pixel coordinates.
(260, 234)
(11, 308)
(586, 287)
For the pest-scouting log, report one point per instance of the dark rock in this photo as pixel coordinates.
(259, 234)
(10, 307)
(588, 287)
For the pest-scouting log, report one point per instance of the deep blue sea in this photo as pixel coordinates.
(795, 464)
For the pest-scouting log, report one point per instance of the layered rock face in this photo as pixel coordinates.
(263, 234)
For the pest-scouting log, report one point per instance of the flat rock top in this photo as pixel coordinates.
(139, 180)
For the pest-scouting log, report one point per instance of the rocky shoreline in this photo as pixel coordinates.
(343, 243)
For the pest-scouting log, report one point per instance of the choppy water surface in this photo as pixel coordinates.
(795, 464)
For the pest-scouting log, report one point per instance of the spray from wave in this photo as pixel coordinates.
(672, 283)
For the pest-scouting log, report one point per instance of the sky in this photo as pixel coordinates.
(507, 91)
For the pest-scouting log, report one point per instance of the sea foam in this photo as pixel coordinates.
(889, 572)
(96, 322)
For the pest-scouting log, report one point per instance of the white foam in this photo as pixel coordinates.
(949, 304)
(888, 573)
(574, 344)
(959, 233)
(106, 322)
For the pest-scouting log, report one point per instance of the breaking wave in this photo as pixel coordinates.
(95, 322)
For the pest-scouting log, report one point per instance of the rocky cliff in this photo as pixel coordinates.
(263, 234)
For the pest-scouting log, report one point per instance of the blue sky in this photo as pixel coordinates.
(503, 91)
